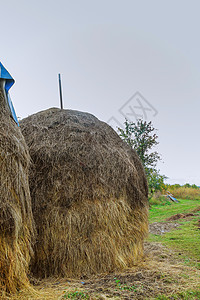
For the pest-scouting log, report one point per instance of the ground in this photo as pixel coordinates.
(170, 268)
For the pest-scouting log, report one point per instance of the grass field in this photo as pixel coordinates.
(185, 239)
(160, 212)
(170, 269)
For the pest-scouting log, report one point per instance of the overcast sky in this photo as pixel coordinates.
(106, 51)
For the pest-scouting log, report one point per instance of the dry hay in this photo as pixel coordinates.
(89, 195)
(16, 227)
(162, 275)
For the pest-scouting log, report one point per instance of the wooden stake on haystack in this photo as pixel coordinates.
(60, 90)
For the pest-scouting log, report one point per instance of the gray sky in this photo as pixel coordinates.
(106, 51)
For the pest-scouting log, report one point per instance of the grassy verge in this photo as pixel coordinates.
(186, 239)
(159, 213)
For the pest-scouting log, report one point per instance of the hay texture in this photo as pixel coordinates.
(89, 195)
(16, 221)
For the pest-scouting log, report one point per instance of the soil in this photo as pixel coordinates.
(196, 209)
(180, 216)
(161, 228)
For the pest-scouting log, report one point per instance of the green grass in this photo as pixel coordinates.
(75, 295)
(158, 213)
(187, 295)
(124, 287)
(186, 238)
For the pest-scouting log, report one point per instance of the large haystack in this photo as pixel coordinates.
(16, 227)
(89, 195)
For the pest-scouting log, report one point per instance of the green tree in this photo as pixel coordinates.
(155, 182)
(187, 185)
(142, 137)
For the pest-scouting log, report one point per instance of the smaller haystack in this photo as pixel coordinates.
(16, 222)
(89, 195)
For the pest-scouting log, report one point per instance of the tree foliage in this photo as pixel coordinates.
(142, 137)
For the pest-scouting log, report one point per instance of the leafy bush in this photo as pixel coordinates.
(158, 199)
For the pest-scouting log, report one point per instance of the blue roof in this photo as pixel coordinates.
(4, 74)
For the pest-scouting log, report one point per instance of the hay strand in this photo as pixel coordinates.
(16, 221)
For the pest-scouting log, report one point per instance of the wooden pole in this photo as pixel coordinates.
(60, 90)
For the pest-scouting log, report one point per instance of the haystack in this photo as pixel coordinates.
(16, 222)
(89, 195)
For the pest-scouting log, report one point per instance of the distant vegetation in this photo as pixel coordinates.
(142, 138)
(186, 191)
